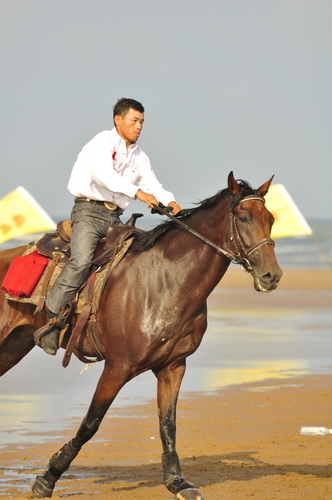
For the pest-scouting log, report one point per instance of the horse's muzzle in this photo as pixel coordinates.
(268, 281)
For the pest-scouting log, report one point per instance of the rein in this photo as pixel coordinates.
(236, 258)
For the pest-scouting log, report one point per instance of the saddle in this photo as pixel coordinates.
(56, 246)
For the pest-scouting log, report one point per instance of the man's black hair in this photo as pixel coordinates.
(123, 106)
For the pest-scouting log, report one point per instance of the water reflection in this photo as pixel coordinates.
(253, 371)
(26, 415)
(14, 406)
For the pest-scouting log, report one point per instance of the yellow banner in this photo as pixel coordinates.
(21, 214)
(288, 219)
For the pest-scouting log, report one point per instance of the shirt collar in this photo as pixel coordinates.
(132, 146)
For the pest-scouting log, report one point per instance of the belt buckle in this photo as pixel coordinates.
(110, 206)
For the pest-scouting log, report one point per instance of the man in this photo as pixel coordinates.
(109, 170)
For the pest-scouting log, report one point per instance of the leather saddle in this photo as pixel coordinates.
(56, 245)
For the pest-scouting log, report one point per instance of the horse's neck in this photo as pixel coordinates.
(196, 258)
(214, 224)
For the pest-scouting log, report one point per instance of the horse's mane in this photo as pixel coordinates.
(145, 240)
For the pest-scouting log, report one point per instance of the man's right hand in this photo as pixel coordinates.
(149, 199)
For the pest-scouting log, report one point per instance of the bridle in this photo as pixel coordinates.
(238, 256)
(235, 235)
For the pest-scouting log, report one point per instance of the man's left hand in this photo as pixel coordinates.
(175, 207)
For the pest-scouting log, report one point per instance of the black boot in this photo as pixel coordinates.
(50, 341)
(47, 337)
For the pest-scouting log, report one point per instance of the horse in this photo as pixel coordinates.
(153, 312)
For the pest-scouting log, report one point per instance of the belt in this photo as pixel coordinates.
(108, 204)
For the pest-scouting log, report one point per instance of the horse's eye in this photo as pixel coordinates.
(243, 218)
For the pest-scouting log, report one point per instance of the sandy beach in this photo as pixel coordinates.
(238, 442)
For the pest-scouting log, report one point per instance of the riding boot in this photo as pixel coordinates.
(47, 337)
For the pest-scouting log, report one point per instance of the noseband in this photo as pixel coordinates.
(239, 256)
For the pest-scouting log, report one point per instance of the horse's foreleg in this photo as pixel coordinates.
(169, 382)
(107, 389)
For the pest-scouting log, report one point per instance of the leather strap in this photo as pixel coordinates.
(83, 318)
(95, 342)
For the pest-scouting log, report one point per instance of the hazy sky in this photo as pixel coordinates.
(242, 85)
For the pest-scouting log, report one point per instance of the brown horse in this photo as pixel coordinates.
(153, 312)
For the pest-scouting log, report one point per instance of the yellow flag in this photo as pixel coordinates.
(288, 219)
(21, 214)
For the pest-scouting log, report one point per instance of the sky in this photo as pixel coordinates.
(227, 85)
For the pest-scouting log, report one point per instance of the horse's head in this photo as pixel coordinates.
(250, 229)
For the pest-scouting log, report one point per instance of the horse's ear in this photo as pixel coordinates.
(261, 191)
(233, 186)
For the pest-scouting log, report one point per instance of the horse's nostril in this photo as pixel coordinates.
(271, 278)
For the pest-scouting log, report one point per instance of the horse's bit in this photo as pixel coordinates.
(236, 258)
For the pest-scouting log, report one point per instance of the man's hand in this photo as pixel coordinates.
(175, 207)
(149, 199)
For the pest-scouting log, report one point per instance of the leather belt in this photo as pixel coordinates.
(108, 204)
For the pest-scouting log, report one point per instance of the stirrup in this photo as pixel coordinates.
(59, 322)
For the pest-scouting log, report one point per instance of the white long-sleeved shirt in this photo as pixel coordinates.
(106, 170)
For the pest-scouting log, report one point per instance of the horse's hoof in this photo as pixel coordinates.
(42, 488)
(189, 494)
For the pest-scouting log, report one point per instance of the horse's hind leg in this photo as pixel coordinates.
(108, 387)
(169, 381)
(17, 345)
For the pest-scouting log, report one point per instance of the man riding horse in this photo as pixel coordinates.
(110, 169)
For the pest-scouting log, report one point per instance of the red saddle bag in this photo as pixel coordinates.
(24, 274)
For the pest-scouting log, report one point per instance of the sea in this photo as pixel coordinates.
(38, 396)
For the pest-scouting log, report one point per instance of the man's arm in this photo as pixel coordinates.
(149, 182)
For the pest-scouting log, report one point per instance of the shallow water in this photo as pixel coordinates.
(242, 344)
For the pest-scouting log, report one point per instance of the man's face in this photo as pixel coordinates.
(129, 127)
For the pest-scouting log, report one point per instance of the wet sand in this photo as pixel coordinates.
(241, 441)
